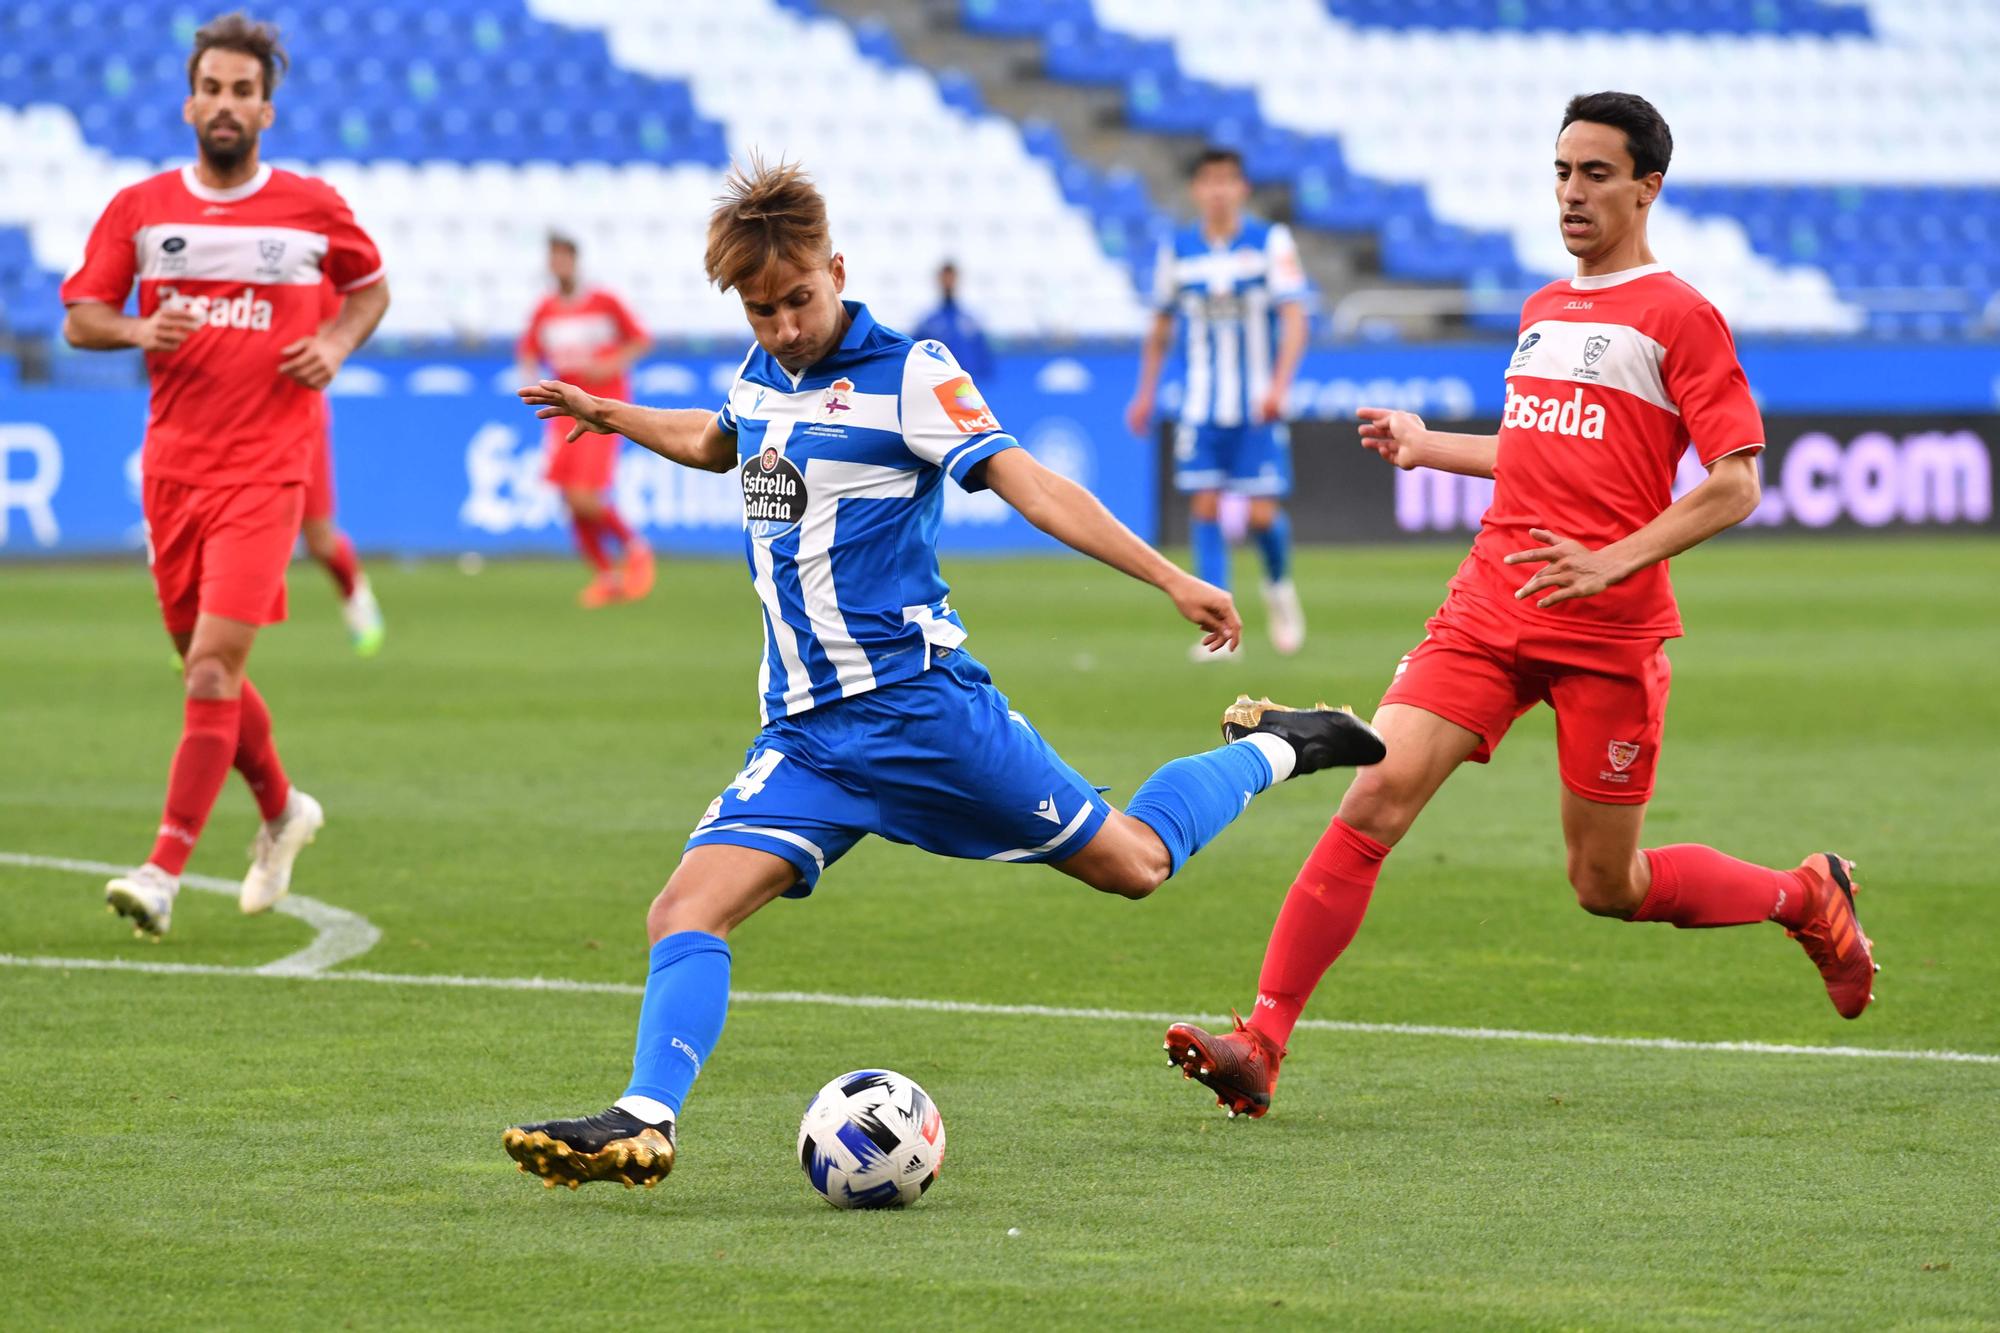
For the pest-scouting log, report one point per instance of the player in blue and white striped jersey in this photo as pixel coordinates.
(843, 434)
(1232, 288)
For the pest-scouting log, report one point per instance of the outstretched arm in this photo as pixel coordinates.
(1726, 496)
(688, 436)
(1402, 438)
(1076, 518)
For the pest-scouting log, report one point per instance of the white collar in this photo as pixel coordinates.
(230, 196)
(1624, 275)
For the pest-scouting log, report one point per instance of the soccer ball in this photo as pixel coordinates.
(871, 1139)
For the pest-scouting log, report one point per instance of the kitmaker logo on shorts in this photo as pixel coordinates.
(967, 410)
(774, 493)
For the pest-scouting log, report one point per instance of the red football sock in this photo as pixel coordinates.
(257, 757)
(615, 525)
(208, 739)
(345, 566)
(1317, 922)
(590, 540)
(1696, 886)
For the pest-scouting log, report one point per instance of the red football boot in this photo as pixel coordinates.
(1833, 938)
(1240, 1067)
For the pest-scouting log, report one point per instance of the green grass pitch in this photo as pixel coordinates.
(510, 782)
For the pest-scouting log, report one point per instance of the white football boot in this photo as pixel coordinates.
(147, 896)
(1201, 652)
(278, 844)
(1286, 617)
(363, 614)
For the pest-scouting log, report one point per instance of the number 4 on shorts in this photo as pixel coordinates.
(755, 774)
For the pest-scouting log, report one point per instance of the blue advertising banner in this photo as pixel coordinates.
(437, 457)
(441, 458)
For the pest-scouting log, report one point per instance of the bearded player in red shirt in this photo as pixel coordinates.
(587, 336)
(229, 255)
(1563, 600)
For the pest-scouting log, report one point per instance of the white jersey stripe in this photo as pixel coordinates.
(1228, 373)
(830, 482)
(1200, 365)
(1256, 345)
(1611, 356)
(847, 407)
(205, 252)
(798, 681)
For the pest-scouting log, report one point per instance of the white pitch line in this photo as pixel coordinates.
(914, 1004)
(338, 934)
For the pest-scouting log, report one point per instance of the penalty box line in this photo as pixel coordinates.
(972, 1007)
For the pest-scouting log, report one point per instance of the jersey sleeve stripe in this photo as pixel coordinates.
(381, 272)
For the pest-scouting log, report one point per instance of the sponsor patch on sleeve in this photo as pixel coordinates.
(962, 403)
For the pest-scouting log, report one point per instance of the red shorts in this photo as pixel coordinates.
(1481, 668)
(319, 485)
(584, 463)
(221, 550)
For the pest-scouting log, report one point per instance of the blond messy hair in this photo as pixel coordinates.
(766, 213)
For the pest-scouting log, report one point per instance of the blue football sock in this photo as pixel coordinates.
(1211, 552)
(1275, 542)
(1191, 800)
(680, 1019)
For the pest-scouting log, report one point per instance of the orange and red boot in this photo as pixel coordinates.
(1832, 937)
(1239, 1067)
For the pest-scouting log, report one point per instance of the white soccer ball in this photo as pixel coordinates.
(871, 1139)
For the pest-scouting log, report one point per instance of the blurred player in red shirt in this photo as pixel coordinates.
(325, 542)
(228, 255)
(587, 336)
(1563, 600)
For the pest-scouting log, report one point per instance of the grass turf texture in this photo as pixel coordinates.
(508, 784)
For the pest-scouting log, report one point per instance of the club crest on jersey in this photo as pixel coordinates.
(1593, 347)
(272, 252)
(835, 398)
(1621, 754)
(965, 408)
(774, 494)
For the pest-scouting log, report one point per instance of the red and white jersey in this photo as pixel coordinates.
(1613, 377)
(250, 262)
(569, 333)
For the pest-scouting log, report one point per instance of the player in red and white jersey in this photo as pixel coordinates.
(229, 256)
(325, 542)
(587, 336)
(1563, 600)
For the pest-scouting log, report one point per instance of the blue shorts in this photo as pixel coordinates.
(1249, 460)
(939, 761)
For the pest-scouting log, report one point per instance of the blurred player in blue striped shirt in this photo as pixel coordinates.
(1232, 288)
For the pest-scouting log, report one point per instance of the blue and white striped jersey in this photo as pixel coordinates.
(1225, 298)
(842, 468)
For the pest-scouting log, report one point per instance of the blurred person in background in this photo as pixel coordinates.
(588, 337)
(950, 325)
(325, 542)
(229, 255)
(1232, 287)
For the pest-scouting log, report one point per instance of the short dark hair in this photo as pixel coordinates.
(562, 241)
(240, 33)
(1214, 155)
(1647, 137)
